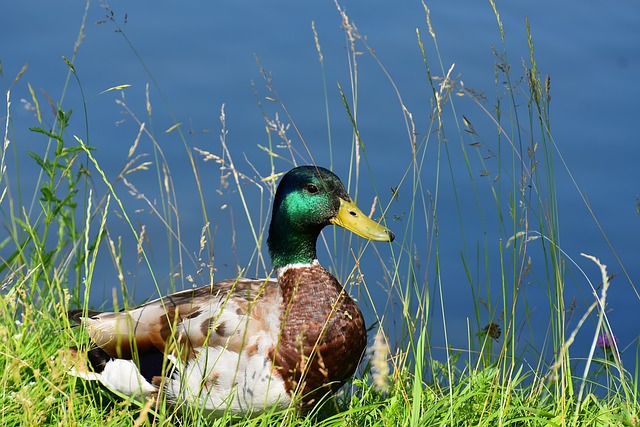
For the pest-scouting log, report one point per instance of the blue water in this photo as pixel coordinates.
(197, 57)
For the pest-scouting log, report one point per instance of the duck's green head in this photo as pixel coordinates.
(308, 199)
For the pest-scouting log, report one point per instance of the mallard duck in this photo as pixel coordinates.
(246, 345)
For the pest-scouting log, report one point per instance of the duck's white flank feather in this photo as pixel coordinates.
(220, 380)
(121, 376)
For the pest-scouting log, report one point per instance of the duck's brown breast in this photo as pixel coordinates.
(323, 333)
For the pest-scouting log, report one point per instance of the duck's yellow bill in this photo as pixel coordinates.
(353, 219)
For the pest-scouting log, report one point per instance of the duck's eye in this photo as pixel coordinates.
(312, 188)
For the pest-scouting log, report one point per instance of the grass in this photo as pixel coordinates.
(58, 233)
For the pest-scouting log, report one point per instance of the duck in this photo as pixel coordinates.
(245, 346)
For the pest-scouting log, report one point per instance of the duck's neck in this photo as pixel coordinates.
(290, 245)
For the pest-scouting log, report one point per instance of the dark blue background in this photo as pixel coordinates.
(203, 55)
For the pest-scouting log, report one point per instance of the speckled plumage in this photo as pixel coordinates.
(321, 347)
(245, 345)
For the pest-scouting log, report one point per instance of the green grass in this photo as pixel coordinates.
(56, 232)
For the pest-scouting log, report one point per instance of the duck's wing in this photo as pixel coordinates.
(224, 315)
